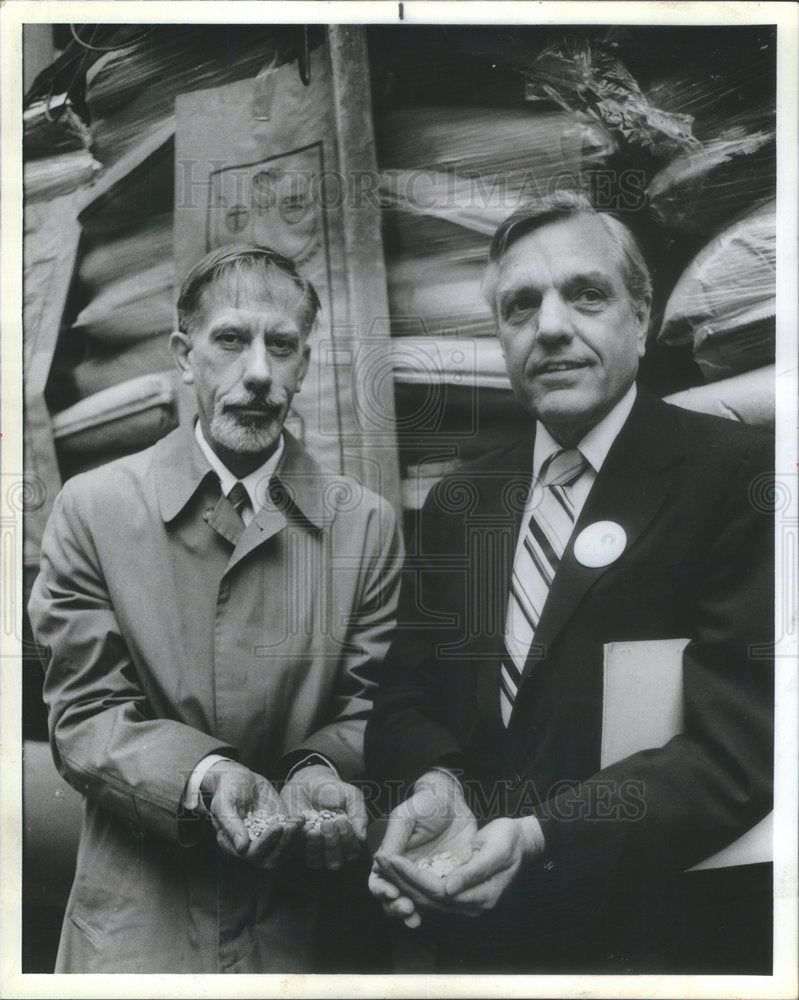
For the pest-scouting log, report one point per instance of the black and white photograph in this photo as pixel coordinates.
(399, 499)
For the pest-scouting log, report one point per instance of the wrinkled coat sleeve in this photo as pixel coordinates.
(105, 740)
(370, 627)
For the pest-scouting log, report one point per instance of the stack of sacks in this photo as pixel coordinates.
(125, 326)
(122, 418)
(131, 91)
(55, 146)
(449, 176)
(131, 280)
(725, 301)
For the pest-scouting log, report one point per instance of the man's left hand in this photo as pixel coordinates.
(499, 850)
(338, 840)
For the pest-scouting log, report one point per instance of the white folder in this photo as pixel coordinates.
(643, 708)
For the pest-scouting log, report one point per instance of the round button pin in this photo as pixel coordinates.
(600, 544)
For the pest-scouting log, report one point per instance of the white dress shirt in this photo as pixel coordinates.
(256, 484)
(594, 447)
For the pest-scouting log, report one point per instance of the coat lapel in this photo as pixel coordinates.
(299, 490)
(634, 482)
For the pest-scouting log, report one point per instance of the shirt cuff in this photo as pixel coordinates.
(191, 793)
(451, 774)
(535, 836)
(313, 758)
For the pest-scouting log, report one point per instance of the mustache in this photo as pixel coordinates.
(269, 406)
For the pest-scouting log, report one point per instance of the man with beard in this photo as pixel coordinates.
(618, 523)
(214, 610)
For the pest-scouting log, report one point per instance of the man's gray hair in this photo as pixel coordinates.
(557, 208)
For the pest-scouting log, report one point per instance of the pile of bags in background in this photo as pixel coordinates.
(469, 124)
(698, 155)
(113, 388)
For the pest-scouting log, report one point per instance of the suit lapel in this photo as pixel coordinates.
(502, 495)
(633, 483)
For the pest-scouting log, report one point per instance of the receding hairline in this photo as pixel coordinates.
(274, 272)
(246, 287)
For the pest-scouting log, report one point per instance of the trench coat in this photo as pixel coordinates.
(172, 632)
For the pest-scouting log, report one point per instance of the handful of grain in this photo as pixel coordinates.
(258, 821)
(442, 864)
(314, 818)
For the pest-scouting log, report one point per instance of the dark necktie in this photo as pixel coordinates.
(239, 498)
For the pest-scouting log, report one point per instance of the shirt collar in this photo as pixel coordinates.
(597, 442)
(256, 483)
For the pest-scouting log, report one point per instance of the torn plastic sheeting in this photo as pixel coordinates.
(702, 188)
(748, 397)
(729, 284)
(582, 77)
(52, 126)
(722, 353)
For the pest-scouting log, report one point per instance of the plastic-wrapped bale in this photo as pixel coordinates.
(105, 367)
(486, 141)
(111, 259)
(474, 166)
(725, 300)
(131, 308)
(118, 420)
(748, 397)
(442, 292)
(53, 176)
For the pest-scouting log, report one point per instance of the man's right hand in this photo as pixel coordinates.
(434, 819)
(229, 791)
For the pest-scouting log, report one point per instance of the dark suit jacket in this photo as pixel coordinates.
(688, 490)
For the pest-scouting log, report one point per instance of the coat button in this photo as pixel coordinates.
(514, 781)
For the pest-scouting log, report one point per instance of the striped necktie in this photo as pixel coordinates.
(240, 499)
(535, 565)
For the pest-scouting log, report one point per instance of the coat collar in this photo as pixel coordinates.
(180, 467)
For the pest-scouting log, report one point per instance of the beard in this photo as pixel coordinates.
(246, 433)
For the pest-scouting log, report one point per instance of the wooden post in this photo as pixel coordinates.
(368, 394)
